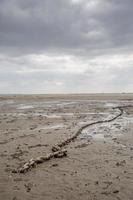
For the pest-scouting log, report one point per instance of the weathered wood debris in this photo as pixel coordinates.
(34, 162)
(57, 151)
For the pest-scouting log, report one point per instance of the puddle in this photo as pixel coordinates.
(65, 103)
(128, 119)
(98, 136)
(24, 106)
(58, 126)
(66, 114)
(50, 116)
(111, 105)
(94, 113)
(8, 102)
(107, 131)
(46, 104)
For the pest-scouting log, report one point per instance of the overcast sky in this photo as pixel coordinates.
(66, 46)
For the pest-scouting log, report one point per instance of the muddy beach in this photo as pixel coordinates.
(99, 162)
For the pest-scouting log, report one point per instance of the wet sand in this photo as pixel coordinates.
(99, 164)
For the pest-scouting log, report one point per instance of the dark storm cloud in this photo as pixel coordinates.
(61, 25)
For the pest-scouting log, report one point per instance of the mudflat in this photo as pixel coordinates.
(99, 162)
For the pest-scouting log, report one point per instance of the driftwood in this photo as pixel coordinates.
(57, 152)
(34, 162)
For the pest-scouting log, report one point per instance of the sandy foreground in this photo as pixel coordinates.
(99, 163)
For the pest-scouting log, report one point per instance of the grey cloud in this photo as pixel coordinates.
(64, 45)
(60, 25)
